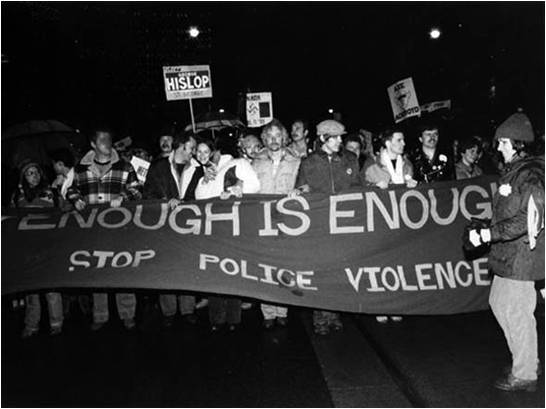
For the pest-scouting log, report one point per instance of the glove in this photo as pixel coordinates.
(476, 234)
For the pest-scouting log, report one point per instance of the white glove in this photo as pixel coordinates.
(485, 235)
(474, 238)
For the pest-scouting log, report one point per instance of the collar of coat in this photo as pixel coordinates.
(336, 156)
(89, 157)
(286, 154)
(193, 162)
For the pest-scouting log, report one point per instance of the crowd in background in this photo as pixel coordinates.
(270, 160)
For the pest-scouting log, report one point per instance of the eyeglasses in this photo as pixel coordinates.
(32, 172)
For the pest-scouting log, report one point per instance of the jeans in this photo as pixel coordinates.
(222, 310)
(125, 302)
(33, 310)
(513, 303)
(167, 302)
(271, 312)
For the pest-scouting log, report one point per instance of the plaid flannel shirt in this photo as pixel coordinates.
(120, 180)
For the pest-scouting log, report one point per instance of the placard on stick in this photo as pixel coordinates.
(259, 109)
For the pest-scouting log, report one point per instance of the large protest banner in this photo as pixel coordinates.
(375, 251)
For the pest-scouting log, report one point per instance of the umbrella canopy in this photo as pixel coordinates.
(35, 127)
(34, 139)
(215, 121)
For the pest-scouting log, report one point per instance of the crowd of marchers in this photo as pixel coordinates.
(272, 161)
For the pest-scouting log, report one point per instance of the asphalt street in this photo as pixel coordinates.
(432, 361)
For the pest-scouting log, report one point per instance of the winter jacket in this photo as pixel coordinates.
(39, 196)
(228, 171)
(281, 180)
(93, 188)
(42, 197)
(439, 168)
(374, 171)
(463, 171)
(163, 181)
(511, 256)
(329, 174)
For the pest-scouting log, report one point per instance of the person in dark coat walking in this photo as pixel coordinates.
(516, 236)
(329, 170)
(170, 179)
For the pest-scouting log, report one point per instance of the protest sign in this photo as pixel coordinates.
(141, 168)
(434, 106)
(187, 82)
(403, 100)
(123, 144)
(259, 109)
(394, 251)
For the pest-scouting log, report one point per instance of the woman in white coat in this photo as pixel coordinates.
(228, 176)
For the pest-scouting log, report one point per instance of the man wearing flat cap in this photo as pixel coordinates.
(516, 236)
(329, 170)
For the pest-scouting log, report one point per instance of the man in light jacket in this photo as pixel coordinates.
(277, 168)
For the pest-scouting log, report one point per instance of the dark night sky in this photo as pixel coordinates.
(88, 63)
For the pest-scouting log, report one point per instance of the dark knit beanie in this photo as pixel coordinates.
(517, 127)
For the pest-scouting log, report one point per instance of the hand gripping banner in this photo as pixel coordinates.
(395, 251)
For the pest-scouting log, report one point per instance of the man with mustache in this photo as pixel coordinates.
(277, 168)
(431, 165)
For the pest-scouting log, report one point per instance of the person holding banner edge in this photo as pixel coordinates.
(102, 176)
(169, 178)
(277, 168)
(232, 176)
(329, 170)
(33, 192)
(516, 237)
(390, 167)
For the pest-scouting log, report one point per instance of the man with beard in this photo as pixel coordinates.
(277, 168)
(429, 164)
(300, 138)
(165, 146)
(249, 146)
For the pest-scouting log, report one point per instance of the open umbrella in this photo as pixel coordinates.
(215, 121)
(34, 139)
(35, 127)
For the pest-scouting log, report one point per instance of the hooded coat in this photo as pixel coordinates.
(39, 196)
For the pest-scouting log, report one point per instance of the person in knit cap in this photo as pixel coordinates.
(516, 237)
(33, 189)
